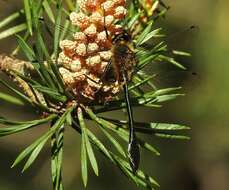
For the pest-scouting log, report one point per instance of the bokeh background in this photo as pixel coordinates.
(199, 164)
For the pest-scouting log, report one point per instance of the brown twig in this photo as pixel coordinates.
(10, 66)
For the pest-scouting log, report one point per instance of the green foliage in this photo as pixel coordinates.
(26, 49)
(86, 149)
(34, 149)
(17, 92)
(28, 15)
(14, 30)
(61, 109)
(48, 10)
(57, 142)
(16, 126)
(11, 99)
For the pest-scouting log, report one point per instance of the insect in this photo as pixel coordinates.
(120, 68)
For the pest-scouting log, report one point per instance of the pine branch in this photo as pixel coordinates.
(71, 82)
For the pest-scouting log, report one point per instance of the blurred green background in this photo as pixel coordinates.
(199, 164)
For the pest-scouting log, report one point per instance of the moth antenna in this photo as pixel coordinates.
(91, 79)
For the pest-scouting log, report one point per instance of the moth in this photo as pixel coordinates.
(120, 68)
